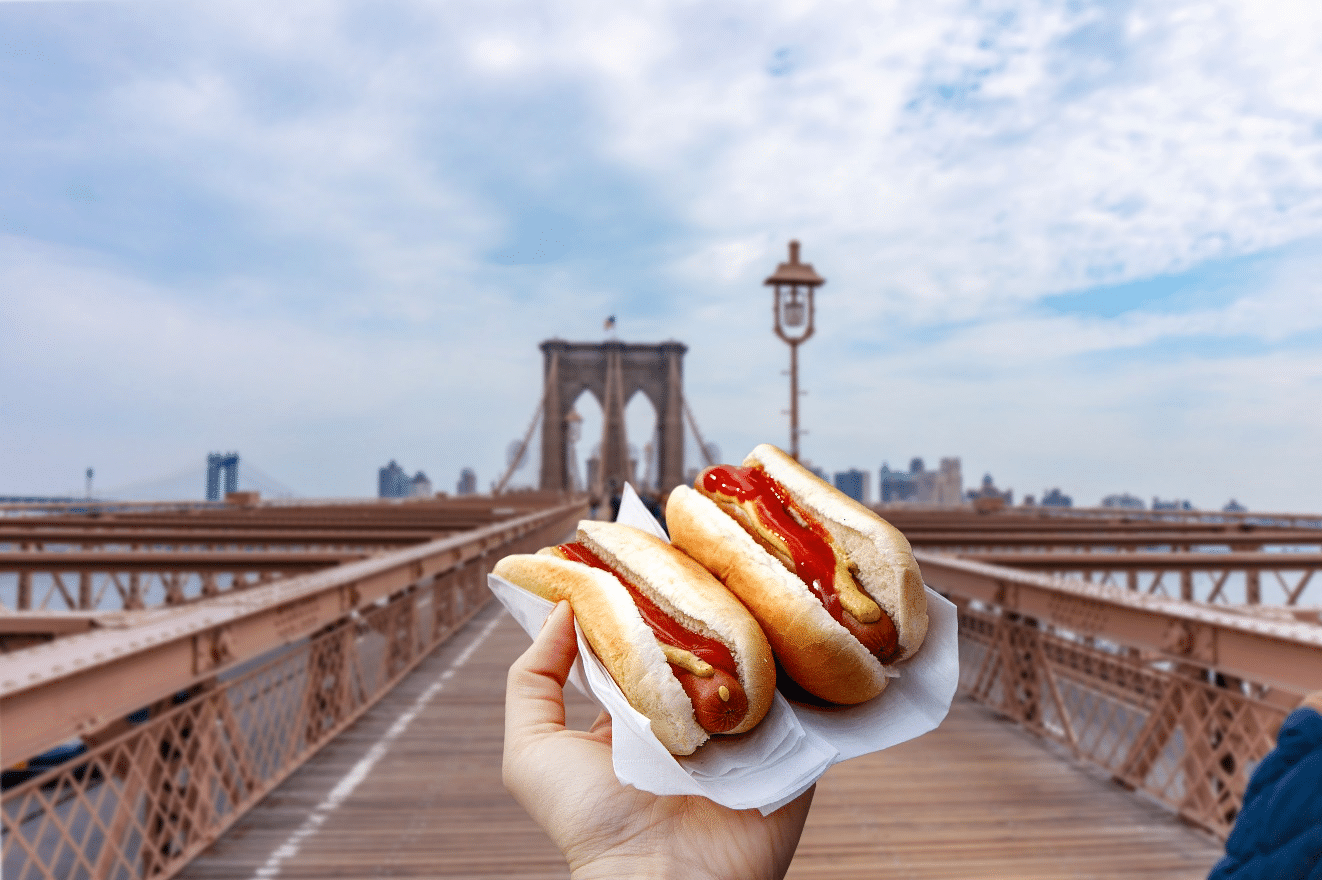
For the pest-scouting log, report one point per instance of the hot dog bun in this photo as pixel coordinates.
(816, 651)
(625, 643)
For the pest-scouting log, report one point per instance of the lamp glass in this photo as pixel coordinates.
(793, 313)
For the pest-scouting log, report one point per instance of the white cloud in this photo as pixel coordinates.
(1017, 185)
(946, 166)
(497, 53)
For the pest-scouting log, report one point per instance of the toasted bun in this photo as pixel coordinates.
(887, 570)
(814, 649)
(625, 643)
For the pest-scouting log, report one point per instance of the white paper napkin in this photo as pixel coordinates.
(794, 745)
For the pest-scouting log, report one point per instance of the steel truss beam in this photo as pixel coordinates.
(1057, 560)
(174, 560)
(1285, 655)
(1176, 699)
(79, 684)
(1039, 536)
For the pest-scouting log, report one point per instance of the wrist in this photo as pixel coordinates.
(653, 866)
(611, 868)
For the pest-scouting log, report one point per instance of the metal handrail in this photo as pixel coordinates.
(1173, 698)
(53, 692)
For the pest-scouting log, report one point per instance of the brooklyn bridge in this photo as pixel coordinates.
(290, 688)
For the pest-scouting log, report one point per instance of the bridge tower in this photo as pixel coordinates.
(218, 463)
(613, 372)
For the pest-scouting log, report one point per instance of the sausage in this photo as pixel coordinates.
(768, 515)
(807, 561)
(715, 714)
(636, 613)
(880, 638)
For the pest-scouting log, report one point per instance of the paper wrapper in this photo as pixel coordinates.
(794, 745)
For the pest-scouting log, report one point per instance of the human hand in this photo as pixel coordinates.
(565, 780)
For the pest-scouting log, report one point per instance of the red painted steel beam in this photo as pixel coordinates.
(446, 513)
(180, 560)
(444, 520)
(952, 538)
(1285, 655)
(156, 535)
(80, 683)
(974, 524)
(1056, 560)
(46, 623)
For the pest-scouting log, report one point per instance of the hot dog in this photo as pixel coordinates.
(834, 586)
(683, 650)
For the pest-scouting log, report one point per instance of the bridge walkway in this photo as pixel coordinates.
(413, 790)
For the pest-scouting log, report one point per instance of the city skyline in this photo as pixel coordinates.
(1075, 245)
(394, 482)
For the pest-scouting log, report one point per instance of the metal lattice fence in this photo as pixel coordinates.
(1154, 726)
(144, 803)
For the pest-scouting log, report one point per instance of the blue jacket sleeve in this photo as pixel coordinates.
(1278, 833)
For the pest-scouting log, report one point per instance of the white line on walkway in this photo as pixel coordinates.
(358, 773)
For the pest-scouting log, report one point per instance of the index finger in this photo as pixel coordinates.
(534, 690)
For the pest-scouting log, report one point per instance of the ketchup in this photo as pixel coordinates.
(814, 560)
(666, 628)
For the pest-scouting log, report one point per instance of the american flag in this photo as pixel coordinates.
(610, 323)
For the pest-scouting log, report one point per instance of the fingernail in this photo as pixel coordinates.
(553, 611)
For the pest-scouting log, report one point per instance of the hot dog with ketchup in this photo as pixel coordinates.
(834, 586)
(683, 650)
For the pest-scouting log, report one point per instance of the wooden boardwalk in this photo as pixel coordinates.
(414, 790)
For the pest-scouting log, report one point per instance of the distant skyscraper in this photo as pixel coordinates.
(1056, 498)
(945, 485)
(1125, 501)
(393, 482)
(220, 464)
(854, 483)
(467, 482)
(420, 486)
(988, 491)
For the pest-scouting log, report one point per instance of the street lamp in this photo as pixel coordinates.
(794, 283)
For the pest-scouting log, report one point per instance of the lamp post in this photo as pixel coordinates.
(794, 283)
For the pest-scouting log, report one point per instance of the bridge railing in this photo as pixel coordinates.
(55, 579)
(1101, 515)
(1172, 698)
(1251, 577)
(241, 689)
(1176, 699)
(145, 557)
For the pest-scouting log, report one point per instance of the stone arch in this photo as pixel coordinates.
(642, 427)
(613, 372)
(580, 457)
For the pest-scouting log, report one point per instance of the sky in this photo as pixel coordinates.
(1076, 245)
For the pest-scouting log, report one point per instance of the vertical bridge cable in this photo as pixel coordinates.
(697, 435)
(523, 449)
(532, 425)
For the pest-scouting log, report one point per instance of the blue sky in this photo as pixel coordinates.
(1074, 244)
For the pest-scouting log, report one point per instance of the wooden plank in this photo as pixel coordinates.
(976, 798)
(981, 797)
(433, 806)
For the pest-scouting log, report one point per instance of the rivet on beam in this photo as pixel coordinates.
(1178, 638)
